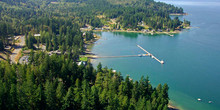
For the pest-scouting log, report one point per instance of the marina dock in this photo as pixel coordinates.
(139, 55)
(151, 55)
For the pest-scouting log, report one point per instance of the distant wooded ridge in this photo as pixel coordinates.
(26, 15)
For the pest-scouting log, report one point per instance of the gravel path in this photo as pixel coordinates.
(18, 48)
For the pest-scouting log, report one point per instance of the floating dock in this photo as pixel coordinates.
(151, 55)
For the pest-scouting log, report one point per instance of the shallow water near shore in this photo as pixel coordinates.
(191, 58)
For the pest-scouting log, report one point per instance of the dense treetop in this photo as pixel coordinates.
(56, 82)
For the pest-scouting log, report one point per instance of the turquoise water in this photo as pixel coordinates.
(191, 68)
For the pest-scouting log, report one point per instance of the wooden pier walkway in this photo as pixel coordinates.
(139, 55)
(151, 55)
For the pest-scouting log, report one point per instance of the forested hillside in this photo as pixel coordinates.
(58, 83)
(24, 15)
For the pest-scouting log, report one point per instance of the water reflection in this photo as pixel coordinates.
(126, 34)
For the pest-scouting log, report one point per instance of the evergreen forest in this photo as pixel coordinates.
(55, 82)
(19, 17)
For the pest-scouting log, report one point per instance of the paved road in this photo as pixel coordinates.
(18, 48)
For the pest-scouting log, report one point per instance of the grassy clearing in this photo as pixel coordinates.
(83, 59)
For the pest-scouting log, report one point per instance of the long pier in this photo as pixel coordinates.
(151, 55)
(139, 55)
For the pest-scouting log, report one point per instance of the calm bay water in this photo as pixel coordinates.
(191, 68)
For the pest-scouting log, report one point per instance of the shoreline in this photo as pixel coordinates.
(91, 43)
(142, 32)
(88, 45)
(172, 107)
(178, 14)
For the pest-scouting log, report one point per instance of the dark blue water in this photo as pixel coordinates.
(191, 68)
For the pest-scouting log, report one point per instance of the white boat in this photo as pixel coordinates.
(199, 99)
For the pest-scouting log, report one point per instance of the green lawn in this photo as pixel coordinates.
(83, 59)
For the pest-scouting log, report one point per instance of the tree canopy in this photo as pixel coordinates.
(58, 83)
